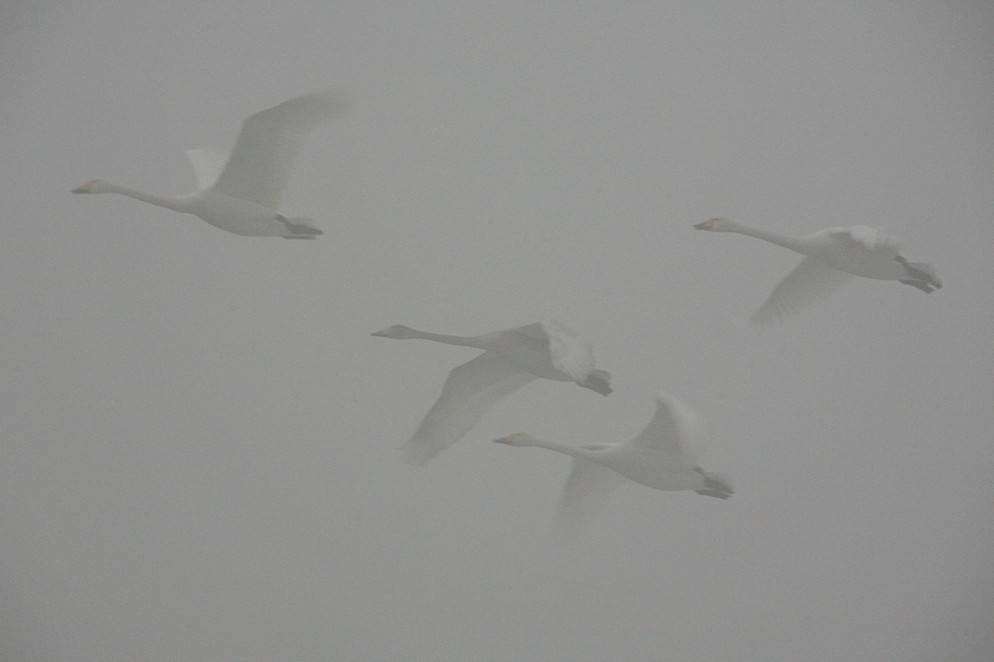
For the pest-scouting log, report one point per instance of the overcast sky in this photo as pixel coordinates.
(199, 439)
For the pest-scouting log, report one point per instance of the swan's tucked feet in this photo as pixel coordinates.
(298, 228)
(922, 275)
(599, 383)
(921, 285)
(715, 485)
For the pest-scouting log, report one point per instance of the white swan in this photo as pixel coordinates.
(243, 196)
(834, 255)
(512, 358)
(657, 457)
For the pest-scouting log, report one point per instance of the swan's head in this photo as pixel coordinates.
(93, 186)
(397, 331)
(518, 439)
(719, 224)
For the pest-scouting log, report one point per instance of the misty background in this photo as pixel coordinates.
(199, 439)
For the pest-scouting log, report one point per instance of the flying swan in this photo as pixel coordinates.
(834, 256)
(243, 196)
(511, 359)
(657, 457)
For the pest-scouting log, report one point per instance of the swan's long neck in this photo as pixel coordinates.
(575, 451)
(176, 203)
(797, 244)
(448, 340)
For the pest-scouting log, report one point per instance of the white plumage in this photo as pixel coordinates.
(512, 358)
(833, 256)
(659, 457)
(242, 193)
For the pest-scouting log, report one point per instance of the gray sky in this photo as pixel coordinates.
(200, 440)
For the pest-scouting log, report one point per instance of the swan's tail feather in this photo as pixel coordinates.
(922, 275)
(599, 381)
(299, 228)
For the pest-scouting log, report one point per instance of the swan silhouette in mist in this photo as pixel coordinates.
(512, 358)
(243, 196)
(834, 256)
(658, 457)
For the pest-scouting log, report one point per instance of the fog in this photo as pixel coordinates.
(200, 440)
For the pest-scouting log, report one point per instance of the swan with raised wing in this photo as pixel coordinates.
(659, 457)
(242, 193)
(511, 359)
(833, 257)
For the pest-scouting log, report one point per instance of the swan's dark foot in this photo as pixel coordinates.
(298, 230)
(922, 275)
(921, 285)
(598, 383)
(715, 485)
(715, 493)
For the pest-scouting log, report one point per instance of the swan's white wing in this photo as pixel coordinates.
(569, 352)
(207, 162)
(584, 495)
(535, 330)
(470, 390)
(809, 281)
(268, 143)
(674, 428)
(866, 237)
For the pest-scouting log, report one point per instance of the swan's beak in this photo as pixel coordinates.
(85, 188)
(381, 334)
(703, 225)
(504, 440)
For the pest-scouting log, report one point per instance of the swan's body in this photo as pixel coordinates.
(834, 255)
(658, 457)
(242, 193)
(511, 359)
